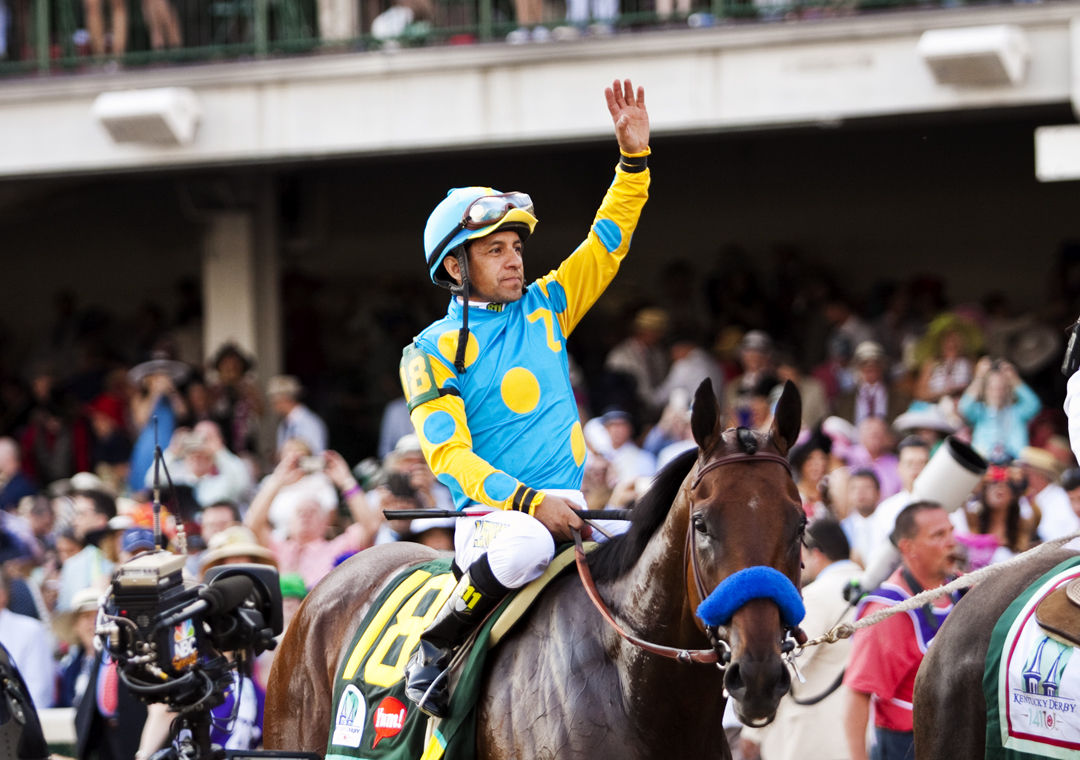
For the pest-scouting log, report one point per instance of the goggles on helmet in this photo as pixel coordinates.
(489, 209)
(484, 212)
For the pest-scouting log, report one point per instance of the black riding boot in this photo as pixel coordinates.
(477, 594)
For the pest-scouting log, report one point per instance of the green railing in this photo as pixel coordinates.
(48, 36)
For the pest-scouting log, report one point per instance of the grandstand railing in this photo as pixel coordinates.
(48, 36)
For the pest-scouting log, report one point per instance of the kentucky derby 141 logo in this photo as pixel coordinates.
(349, 718)
(389, 719)
(1043, 702)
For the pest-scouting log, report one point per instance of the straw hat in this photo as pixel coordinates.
(235, 541)
(84, 600)
(929, 347)
(1041, 460)
(928, 418)
(868, 351)
(284, 385)
(651, 319)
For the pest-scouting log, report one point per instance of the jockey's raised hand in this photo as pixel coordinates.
(628, 112)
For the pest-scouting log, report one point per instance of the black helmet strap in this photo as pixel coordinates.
(463, 291)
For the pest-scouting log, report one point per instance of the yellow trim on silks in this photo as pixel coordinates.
(524, 598)
(380, 620)
(434, 742)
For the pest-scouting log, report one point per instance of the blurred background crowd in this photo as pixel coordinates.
(251, 469)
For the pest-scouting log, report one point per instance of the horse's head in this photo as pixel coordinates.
(744, 539)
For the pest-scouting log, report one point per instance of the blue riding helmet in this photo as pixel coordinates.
(447, 229)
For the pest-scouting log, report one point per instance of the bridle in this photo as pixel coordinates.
(719, 652)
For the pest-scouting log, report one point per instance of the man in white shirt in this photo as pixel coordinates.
(30, 645)
(297, 421)
(690, 365)
(201, 460)
(628, 462)
(1042, 470)
(912, 456)
(92, 510)
(863, 492)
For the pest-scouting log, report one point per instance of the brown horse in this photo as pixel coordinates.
(563, 683)
(949, 704)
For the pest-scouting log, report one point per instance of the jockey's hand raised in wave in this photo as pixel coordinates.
(559, 515)
(631, 119)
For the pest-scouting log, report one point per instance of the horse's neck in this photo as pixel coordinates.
(652, 601)
(652, 596)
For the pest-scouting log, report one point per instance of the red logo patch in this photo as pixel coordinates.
(389, 719)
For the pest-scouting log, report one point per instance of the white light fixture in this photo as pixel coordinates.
(976, 55)
(1057, 153)
(163, 116)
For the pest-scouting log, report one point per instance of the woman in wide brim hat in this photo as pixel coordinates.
(236, 543)
(945, 357)
(66, 624)
(156, 398)
(932, 343)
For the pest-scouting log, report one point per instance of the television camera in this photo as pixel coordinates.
(172, 639)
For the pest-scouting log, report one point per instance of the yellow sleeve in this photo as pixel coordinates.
(438, 414)
(586, 273)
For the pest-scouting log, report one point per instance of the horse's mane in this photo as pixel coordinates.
(615, 557)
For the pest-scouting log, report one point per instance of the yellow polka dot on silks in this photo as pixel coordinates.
(520, 390)
(448, 343)
(577, 444)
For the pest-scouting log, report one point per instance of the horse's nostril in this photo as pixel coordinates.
(783, 683)
(733, 681)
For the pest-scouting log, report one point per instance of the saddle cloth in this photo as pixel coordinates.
(372, 718)
(1032, 676)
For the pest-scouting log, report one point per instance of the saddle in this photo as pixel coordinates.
(372, 718)
(1059, 613)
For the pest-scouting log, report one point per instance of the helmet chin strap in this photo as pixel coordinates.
(463, 291)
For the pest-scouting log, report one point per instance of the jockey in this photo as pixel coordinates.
(488, 386)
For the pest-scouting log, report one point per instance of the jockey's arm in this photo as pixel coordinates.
(582, 277)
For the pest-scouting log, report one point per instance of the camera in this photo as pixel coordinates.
(170, 637)
(399, 484)
(312, 464)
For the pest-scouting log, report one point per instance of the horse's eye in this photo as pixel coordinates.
(699, 524)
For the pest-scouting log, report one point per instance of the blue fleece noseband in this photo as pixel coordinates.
(758, 582)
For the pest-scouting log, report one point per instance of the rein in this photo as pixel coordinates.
(706, 656)
(720, 651)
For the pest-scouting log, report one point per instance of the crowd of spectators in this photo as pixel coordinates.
(108, 30)
(251, 471)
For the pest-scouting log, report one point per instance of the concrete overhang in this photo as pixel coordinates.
(431, 99)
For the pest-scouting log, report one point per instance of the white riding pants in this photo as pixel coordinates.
(517, 545)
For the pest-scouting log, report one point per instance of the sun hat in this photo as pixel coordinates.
(235, 541)
(83, 600)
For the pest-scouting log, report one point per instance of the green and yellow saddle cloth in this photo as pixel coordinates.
(372, 718)
(1032, 678)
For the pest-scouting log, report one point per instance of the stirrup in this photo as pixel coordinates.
(427, 682)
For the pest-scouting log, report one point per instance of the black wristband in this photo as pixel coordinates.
(634, 164)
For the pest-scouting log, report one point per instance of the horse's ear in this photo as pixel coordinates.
(705, 417)
(788, 417)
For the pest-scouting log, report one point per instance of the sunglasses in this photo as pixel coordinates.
(997, 474)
